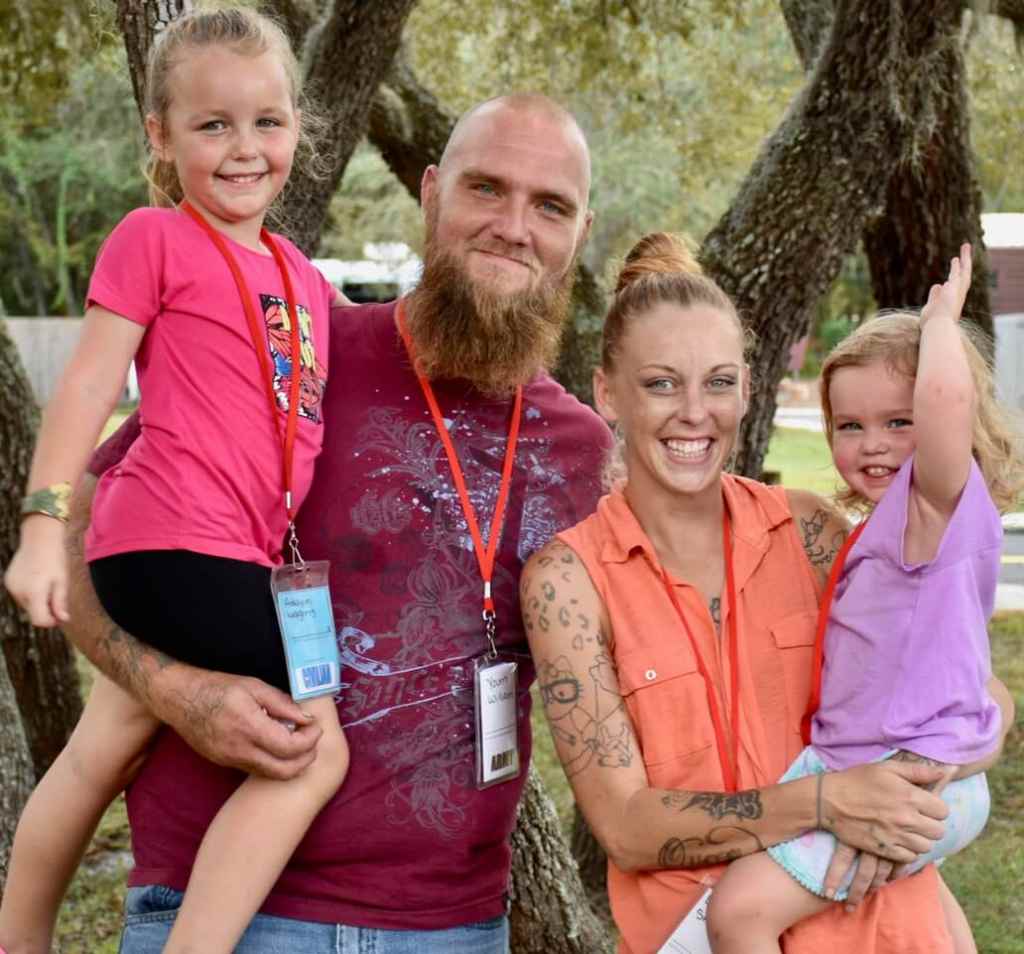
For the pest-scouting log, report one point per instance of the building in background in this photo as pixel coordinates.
(386, 271)
(1004, 240)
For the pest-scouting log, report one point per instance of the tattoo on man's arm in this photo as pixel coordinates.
(744, 805)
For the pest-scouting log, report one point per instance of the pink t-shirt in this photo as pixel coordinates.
(206, 473)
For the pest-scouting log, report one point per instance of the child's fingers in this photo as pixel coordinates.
(37, 606)
(967, 265)
(59, 599)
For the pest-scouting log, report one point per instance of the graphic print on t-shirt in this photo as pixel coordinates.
(312, 375)
(420, 672)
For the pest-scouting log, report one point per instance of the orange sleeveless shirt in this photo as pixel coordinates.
(777, 604)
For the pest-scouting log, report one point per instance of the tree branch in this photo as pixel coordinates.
(820, 177)
(408, 125)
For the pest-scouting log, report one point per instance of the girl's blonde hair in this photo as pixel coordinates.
(661, 268)
(895, 338)
(245, 32)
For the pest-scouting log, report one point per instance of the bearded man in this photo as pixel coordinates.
(412, 854)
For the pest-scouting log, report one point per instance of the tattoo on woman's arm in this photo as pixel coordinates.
(698, 852)
(745, 805)
(820, 552)
(586, 714)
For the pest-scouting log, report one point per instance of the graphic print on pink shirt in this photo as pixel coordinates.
(312, 374)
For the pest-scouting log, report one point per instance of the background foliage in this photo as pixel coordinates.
(675, 96)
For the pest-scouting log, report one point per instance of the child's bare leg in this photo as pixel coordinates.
(59, 819)
(250, 841)
(956, 921)
(753, 903)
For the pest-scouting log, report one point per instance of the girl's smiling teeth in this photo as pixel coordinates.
(687, 449)
(877, 470)
(242, 178)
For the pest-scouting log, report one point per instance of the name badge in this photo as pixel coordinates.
(303, 602)
(497, 731)
(691, 937)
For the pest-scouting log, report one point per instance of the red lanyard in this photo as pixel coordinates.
(484, 555)
(258, 331)
(819, 638)
(729, 761)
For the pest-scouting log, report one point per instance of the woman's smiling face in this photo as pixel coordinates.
(678, 391)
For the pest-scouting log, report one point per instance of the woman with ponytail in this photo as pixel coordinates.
(673, 633)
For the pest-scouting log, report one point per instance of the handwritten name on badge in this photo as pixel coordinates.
(499, 689)
(297, 606)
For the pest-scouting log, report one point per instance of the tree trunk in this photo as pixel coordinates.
(593, 865)
(38, 679)
(15, 770)
(820, 178)
(550, 914)
(139, 22)
(933, 202)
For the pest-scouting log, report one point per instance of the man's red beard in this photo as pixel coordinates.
(465, 329)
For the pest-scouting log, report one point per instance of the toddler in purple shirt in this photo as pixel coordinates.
(923, 447)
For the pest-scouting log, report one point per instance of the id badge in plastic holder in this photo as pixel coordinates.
(303, 602)
(691, 937)
(497, 729)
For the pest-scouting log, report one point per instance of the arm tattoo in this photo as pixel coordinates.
(744, 805)
(584, 709)
(698, 852)
(587, 718)
(820, 552)
(128, 662)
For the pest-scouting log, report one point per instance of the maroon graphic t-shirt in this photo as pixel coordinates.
(408, 842)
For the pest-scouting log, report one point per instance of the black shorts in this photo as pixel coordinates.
(207, 611)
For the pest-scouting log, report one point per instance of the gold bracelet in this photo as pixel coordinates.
(54, 501)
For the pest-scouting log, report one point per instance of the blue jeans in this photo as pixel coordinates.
(150, 912)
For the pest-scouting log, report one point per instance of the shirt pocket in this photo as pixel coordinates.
(667, 700)
(793, 637)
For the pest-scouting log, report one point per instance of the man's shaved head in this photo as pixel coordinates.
(530, 105)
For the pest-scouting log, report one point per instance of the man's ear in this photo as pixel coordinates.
(155, 134)
(428, 186)
(603, 399)
(588, 221)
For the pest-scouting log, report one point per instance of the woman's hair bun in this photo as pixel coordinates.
(658, 253)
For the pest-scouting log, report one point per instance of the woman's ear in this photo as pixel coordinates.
(603, 400)
(746, 389)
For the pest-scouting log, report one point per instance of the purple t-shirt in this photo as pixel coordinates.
(408, 842)
(906, 650)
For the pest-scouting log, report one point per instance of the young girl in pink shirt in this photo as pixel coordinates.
(918, 438)
(228, 328)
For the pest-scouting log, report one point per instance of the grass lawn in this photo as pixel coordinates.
(987, 878)
(802, 459)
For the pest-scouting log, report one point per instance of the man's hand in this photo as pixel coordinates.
(236, 721)
(883, 809)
